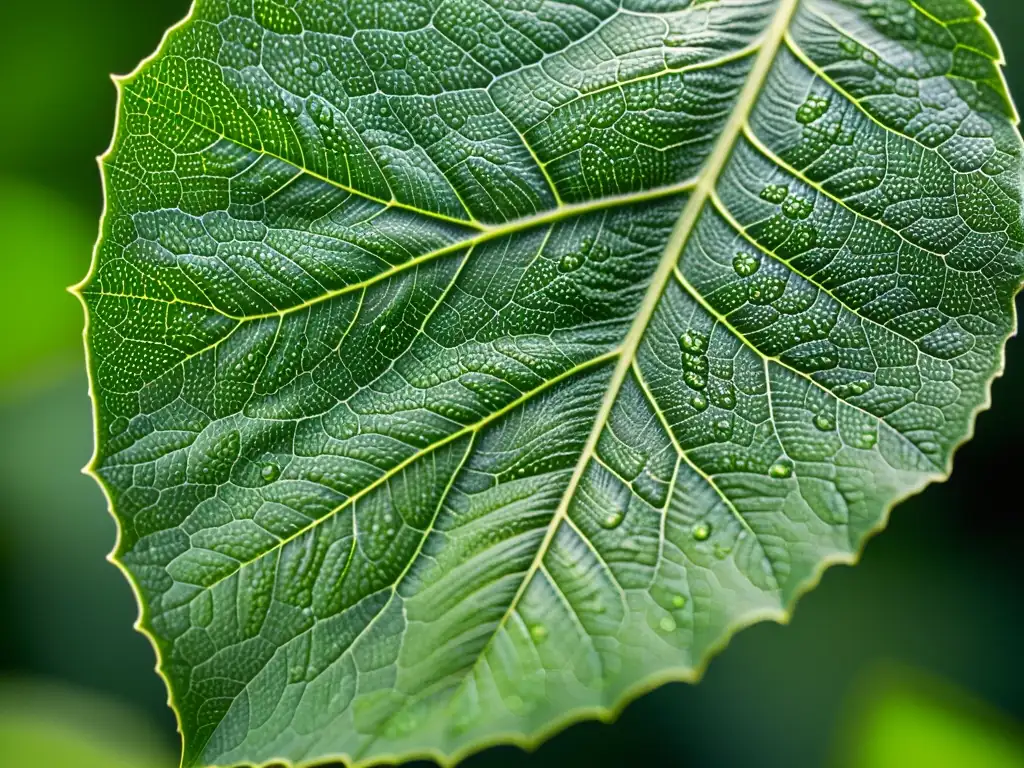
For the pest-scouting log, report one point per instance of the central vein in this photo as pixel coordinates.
(710, 173)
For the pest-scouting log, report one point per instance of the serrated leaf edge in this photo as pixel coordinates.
(530, 742)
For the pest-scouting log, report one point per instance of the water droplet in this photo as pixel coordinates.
(804, 237)
(745, 264)
(694, 380)
(612, 520)
(860, 387)
(701, 531)
(678, 601)
(812, 109)
(599, 253)
(725, 397)
(775, 193)
(823, 422)
(538, 632)
(692, 342)
(692, 362)
(723, 429)
(765, 289)
(850, 46)
(570, 262)
(797, 208)
(781, 470)
(667, 624)
(699, 402)
(270, 472)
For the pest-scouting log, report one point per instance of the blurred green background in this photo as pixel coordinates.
(913, 658)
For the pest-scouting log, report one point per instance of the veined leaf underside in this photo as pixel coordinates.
(466, 367)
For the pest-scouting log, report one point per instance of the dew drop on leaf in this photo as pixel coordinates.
(775, 193)
(797, 208)
(692, 342)
(570, 263)
(812, 109)
(694, 380)
(860, 387)
(612, 520)
(723, 429)
(725, 397)
(745, 264)
(380, 380)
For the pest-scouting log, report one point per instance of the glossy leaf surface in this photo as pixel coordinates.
(466, 367)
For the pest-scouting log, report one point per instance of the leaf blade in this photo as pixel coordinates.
(779, 381)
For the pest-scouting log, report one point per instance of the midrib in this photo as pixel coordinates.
(701, 192)
(684, 226)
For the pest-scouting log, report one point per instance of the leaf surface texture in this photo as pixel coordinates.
(466, 367)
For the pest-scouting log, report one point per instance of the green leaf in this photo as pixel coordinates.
(464, 368)
(42, 258)
(47, 724)
(902, 717)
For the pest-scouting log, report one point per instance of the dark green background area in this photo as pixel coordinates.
(940, 590)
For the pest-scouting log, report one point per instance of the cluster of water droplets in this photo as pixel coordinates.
(695, 366)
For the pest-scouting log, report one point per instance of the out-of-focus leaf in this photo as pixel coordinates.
(72, 611)
(55, 58)
(47, 726)
(46, 239)
(903, 719)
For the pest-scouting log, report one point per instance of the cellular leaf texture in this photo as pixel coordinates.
(464, 368)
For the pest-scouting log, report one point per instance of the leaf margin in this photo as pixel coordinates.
(529, 742)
